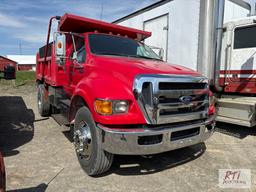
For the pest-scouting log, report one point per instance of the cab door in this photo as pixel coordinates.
(77, 66)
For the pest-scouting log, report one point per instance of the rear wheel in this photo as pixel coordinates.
(43, 101)
(92, 158)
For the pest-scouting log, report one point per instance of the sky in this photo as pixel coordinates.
(24, 23)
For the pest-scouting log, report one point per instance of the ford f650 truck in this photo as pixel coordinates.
(116, 93)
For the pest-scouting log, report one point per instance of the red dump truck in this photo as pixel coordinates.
(116, 93)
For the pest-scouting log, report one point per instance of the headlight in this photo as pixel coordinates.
(110, 107)
(120, 106)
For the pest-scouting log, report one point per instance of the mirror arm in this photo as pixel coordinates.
(74, 43)
(48, 35)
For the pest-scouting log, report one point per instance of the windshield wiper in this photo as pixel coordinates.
(109, 53)
(145, 57)
(125, 55)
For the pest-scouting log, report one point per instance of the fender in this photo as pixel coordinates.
(90, 89)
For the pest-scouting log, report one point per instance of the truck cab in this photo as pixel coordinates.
(117, 95)
(237, 73)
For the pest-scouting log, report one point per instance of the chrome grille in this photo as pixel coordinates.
(169, 99)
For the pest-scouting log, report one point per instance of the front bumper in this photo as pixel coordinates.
(127, 141)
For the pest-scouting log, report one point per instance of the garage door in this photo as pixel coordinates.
(159, 28)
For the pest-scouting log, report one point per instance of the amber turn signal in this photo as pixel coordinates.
(103, 107)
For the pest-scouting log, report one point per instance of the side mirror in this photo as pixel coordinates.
(60, 48)
(161, 53)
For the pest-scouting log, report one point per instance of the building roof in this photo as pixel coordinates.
(7, 59)
(23, 59)
(148, 8)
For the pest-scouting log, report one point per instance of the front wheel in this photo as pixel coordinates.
(92, 158)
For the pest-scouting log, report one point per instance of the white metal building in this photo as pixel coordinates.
(175, 26)
(24, 62)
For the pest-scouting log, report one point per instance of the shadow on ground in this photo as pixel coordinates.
(142, 165)
(235, 130)
(40, 188)
(16, 124)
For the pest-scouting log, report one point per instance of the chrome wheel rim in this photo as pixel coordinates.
(83, 141)
(39, 102)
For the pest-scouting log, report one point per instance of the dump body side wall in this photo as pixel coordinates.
(49, 71)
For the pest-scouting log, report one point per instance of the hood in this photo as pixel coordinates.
(131, 67)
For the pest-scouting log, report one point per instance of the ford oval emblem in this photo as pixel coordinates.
(186, 99)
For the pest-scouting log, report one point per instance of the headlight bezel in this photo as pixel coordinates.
(110, 107)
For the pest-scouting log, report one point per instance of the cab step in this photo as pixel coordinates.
(237, 110)
(60, 119)
(66, 102)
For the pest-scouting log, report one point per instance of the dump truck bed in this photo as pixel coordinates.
(77, 24)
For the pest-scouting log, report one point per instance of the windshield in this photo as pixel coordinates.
(101, 44)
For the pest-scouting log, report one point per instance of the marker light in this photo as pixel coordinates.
(212, 109)
(59, 45)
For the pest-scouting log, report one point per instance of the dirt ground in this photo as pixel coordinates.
(39, 156)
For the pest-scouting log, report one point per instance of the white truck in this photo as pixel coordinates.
(207, 36)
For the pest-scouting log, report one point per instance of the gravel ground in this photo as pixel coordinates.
(40, 157)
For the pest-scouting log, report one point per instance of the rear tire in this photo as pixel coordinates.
(43, 103)
(92, 158)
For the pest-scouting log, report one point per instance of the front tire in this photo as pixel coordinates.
(92, 158)
(43, 101)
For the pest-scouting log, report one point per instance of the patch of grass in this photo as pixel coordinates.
(24, 77)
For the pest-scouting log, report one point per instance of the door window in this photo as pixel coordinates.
(81, 55)
(80, 49)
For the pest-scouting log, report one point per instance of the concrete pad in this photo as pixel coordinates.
(40, 157)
